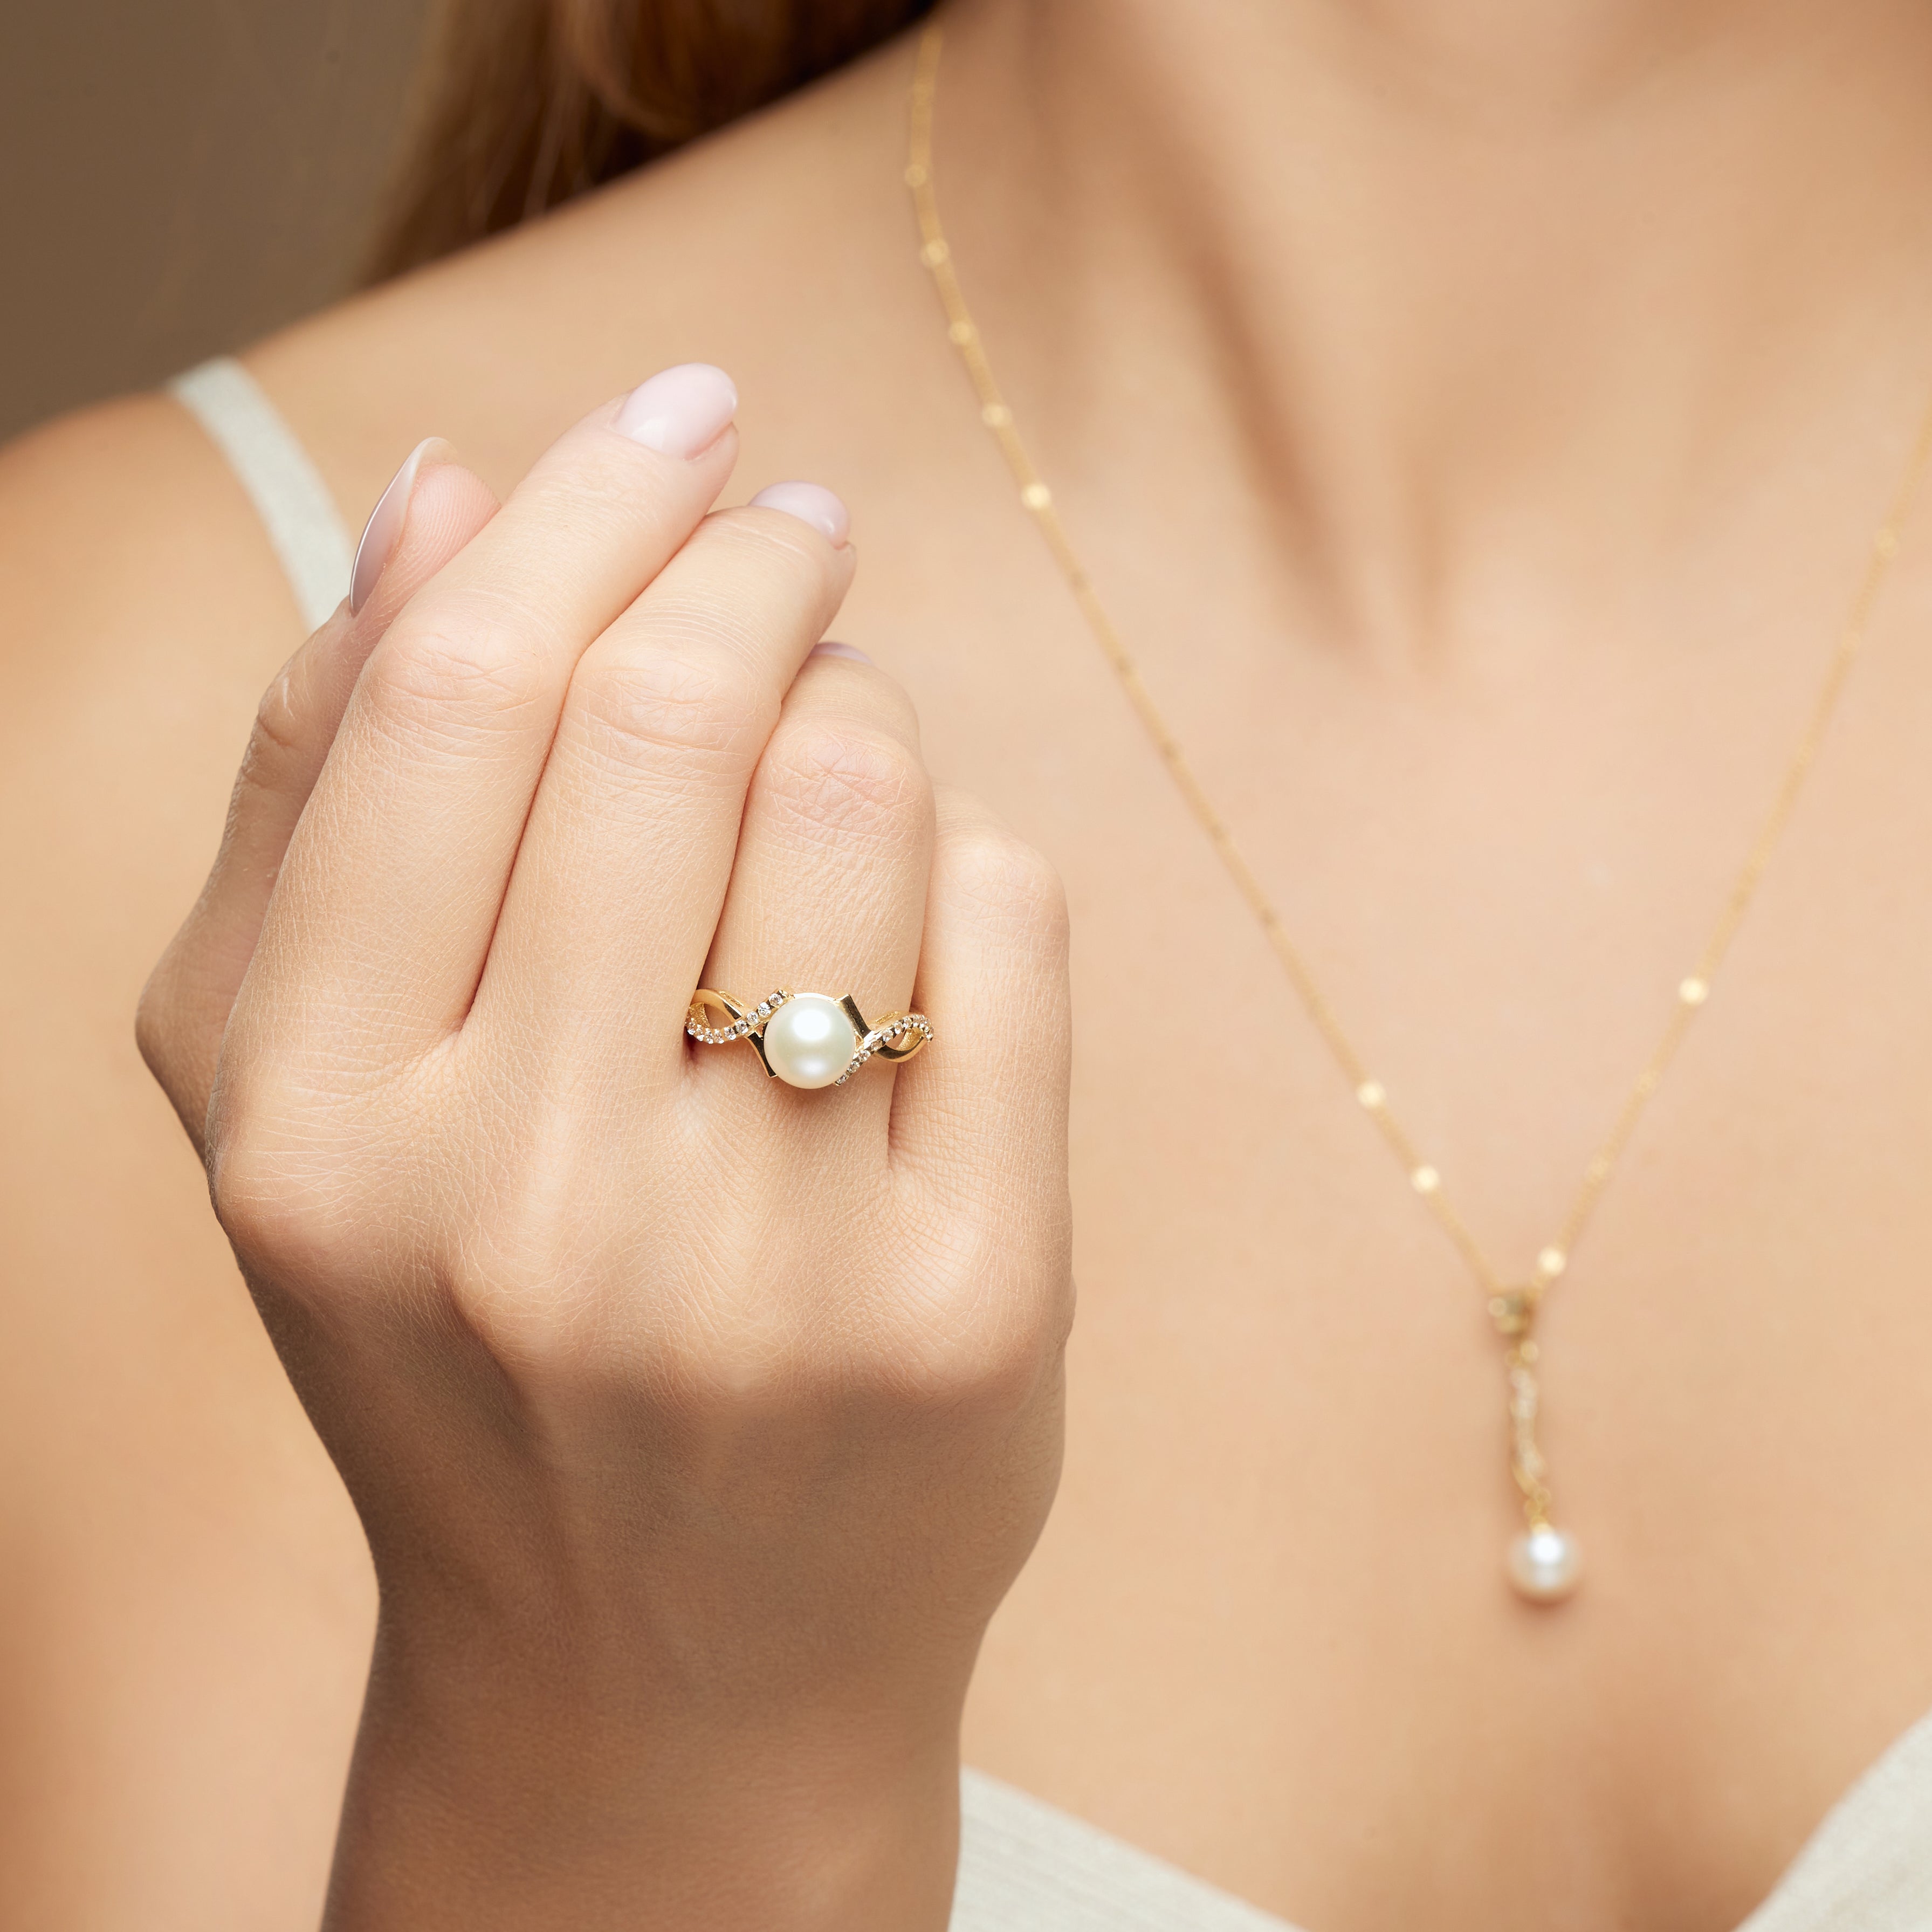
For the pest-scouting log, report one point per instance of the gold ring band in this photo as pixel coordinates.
(805, 1039)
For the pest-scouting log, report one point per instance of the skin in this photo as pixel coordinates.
(675, 1486)
(1477, 419)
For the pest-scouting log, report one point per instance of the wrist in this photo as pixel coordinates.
(518, 1789)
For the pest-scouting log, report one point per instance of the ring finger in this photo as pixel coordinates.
(827, 896)
(620, 883)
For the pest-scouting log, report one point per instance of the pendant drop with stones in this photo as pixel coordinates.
(1545, 1563)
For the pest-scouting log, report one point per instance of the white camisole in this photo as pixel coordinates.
(1024, 1866)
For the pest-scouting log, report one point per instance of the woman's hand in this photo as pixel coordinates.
(697, 1423)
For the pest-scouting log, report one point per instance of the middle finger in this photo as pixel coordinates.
(621, 876)
(828, 893)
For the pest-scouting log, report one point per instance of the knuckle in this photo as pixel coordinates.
(279, 734)
(602, 487)
(452, 672)
(989, 1311)
(279, 1209)
(780, 578)
(644, 707)
(980, 1353)
(1009, 881)
(951, 1354)
(739, 1369)
(177, 1027)
(155, 1024)
(778, 547)
(847, 778)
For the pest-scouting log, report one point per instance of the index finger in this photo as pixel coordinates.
(375, 935)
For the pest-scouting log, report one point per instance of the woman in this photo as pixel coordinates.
(1475, 423)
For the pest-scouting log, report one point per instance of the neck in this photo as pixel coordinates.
(1458, 292)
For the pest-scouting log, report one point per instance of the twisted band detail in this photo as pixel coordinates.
(805, 1039)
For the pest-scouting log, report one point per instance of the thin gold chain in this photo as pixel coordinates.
(1514, 1310)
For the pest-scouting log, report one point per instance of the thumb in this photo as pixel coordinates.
(431, 509)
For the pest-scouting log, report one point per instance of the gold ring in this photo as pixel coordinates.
(806, 1039)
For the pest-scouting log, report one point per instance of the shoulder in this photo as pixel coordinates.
(145, 612)
(783, 249)
(122, 509)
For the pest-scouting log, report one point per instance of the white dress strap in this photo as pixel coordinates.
(1025, 1866)
(287, 491)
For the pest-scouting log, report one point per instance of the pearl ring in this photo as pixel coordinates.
(807, 1039)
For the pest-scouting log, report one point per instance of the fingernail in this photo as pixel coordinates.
(811, 504)
(681, 410)
(826, 648)
(384, 529)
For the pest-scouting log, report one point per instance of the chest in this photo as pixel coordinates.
(1267, 1632)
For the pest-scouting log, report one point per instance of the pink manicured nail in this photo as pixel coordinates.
(681, 410)
(827, 648)
(811, 504)
(384, 529)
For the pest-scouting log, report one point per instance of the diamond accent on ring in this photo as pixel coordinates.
(795, 1050)
(893, 1030)
(740, 1029)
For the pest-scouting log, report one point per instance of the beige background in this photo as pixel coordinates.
(179, 176)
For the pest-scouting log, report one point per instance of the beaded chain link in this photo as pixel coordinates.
(1543, 1563)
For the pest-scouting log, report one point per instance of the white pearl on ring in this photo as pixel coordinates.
(809, 1041)
(1545, 1563)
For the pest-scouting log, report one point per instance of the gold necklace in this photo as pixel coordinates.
(1544, 1562)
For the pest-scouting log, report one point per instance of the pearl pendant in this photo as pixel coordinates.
(1545, 1563)
(809, 1041)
